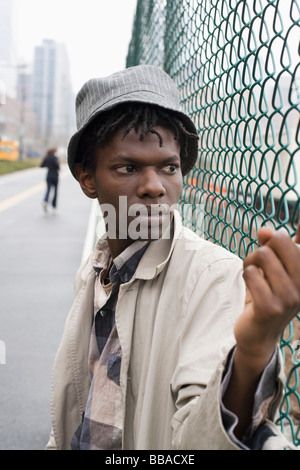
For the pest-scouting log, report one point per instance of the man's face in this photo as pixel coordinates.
(140, 180)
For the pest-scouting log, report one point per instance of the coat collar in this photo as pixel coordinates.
(151, 264)
(158, 252)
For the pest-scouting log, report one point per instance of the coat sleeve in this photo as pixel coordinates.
(207, 330)
(44, 163)
(51, 442)
(70, 377)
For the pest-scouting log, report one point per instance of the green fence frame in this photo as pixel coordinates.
(237, 66)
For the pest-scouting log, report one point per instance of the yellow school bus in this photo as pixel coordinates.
(9, 150)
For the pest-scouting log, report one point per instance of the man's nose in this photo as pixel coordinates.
(150, 185)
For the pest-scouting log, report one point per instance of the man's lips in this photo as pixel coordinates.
(153, 214)
(151, 209)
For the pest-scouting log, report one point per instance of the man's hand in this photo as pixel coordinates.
(272, 277)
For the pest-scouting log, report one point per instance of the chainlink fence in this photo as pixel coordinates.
(237, 66)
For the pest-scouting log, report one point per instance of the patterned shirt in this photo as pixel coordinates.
(101, 427)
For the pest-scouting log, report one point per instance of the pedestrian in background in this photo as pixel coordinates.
(52, 163)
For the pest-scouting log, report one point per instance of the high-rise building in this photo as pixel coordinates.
(8, 71)
(52, 94)
(17, 120)
(7, 49)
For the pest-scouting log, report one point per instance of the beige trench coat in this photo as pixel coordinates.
(175, 323)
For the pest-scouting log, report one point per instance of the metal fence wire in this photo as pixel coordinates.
(237, 66)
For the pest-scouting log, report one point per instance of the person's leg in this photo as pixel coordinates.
(54, 200)
(46, 198)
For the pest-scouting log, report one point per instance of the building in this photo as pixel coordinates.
(6, 31)
(51, 94)
(8, 72)
(17, 120)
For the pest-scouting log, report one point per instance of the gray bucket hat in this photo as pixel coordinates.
(143, 84)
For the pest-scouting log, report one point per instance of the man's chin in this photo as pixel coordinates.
(146, 228)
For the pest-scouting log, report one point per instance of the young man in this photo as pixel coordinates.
(162, 349)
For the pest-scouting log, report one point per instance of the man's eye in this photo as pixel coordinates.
(170, 169)
(125, 169)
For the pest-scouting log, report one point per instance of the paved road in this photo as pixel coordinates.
(39, 255)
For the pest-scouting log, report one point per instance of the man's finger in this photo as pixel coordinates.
(272, 268)
(264, 234)
(258, 289)
(297, 237)
(288, 253)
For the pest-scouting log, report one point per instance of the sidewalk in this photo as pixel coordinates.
(39, 255)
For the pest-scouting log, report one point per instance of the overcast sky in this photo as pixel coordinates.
(96, 33)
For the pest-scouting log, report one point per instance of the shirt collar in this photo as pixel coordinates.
(124, 265)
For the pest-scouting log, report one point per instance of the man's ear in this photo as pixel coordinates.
(86, 180)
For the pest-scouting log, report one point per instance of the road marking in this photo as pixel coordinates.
(11, 201)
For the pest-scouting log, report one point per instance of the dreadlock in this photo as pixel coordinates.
(138, 116)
